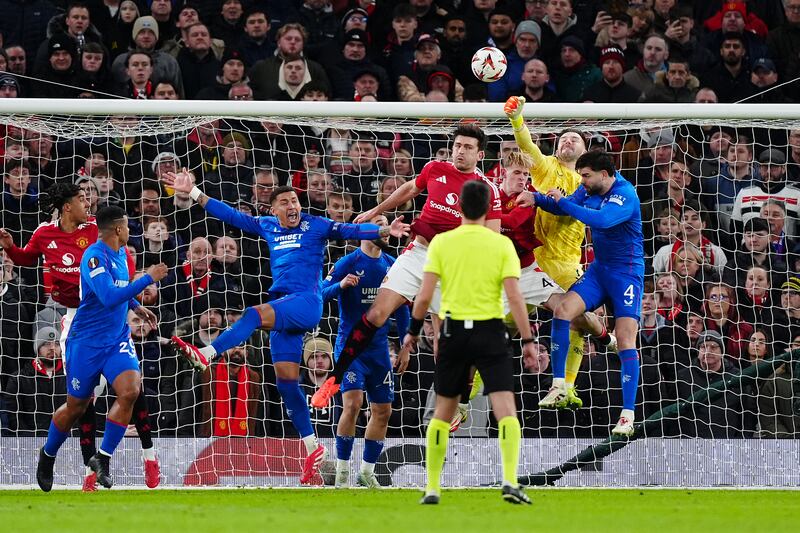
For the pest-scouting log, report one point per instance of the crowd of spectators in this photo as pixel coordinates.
(720, 204)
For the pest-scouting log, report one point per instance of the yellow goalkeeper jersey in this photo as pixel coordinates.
(561, 237)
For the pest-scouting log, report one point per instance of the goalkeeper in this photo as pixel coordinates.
(560, 252)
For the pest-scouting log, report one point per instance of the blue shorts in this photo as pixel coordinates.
(600, 285)
(295, 315)
(371, 372)
(86, 363)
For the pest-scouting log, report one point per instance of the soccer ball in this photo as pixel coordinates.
(489, 64)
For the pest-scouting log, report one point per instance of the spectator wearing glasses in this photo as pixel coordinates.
(721, 315)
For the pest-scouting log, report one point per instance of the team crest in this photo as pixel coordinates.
(76, 384)
(350, 377)
(304, 225)
(510, 205)
(82, 242)
(93, 262)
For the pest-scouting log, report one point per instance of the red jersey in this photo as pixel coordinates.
(441, 211)
(62, 256)
(517, 225)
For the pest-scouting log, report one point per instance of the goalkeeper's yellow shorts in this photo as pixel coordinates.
(565, 274)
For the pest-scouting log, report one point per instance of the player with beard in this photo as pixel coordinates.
(443, 181)
(61, 244)
(355, 280)
(297, 243)
(561, 237)
(608, 204)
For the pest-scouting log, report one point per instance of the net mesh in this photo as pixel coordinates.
(712, 265)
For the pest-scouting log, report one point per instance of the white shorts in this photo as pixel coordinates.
(66, 323)
(536, 287)
(405, 276)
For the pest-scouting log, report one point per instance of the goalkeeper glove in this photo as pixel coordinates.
(513, 110)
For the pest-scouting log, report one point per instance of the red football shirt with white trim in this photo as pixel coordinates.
(62, 254)
(443, 182)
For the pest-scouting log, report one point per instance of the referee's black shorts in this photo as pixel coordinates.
(485, 346)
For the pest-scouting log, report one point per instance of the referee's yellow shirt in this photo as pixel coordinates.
(561, 237)
(472, 261)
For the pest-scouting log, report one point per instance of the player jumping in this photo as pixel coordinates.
(608, 204)
(561, 237)
(355, 279)
(297, 243)
(443, 180)
(99, 343)
(62, 243)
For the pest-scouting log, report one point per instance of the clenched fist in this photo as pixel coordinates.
(513, 107)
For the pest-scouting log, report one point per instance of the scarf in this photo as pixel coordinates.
(39, 368)
(226, 425)
(200, 286)
(145, 94)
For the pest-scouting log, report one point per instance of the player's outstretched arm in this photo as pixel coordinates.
(108, 293)
(27, 256)
(183, 181)
(616, 211)
(400, 196)
(362, 232)
(513, 110)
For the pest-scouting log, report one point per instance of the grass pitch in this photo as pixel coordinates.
(356, 511)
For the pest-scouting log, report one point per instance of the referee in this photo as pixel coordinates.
(474, 265)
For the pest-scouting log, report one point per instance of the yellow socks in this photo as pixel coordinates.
(510, 436)
(435, 451)
(574, 357)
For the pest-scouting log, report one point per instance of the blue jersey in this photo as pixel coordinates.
(296, 254)
(106, 295)
(615, 220)
(354, 301)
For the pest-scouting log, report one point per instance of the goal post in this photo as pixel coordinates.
(344, 157)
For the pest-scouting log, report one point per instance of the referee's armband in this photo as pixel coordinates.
(415, 326)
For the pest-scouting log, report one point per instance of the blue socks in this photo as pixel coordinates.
(372, 450)
(295, 400)
(344, 447)
(630, 378)
(239, 332)
(55, 438)
(560, 347)
(112, 437)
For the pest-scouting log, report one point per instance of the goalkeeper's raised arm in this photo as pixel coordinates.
(513, 110)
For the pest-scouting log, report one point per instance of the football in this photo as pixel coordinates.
(489, 64)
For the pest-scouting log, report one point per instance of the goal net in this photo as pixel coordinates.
(720, 193)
